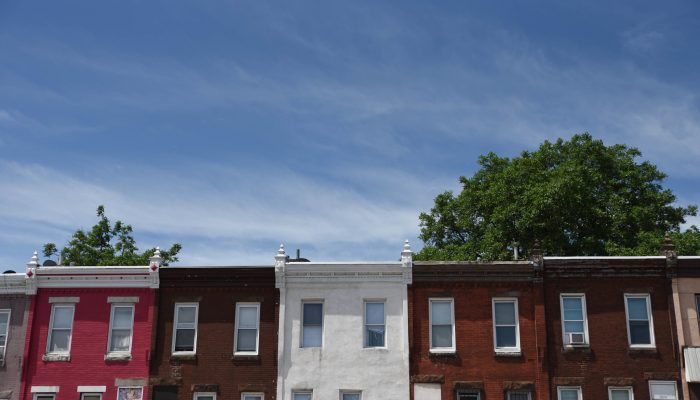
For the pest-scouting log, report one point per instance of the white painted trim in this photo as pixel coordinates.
(257, 330)
(123, 299)
(92, 389)
(244, 394)
(45, 389)
(577, 388)
(51, 328)
(323, 316)
(364, 323)
(647, 297)
(674, 383)
(196, 328)
(451, 300)
(585, 318)
(111, 325)
(13, 284)
(53, 300)
(513, 300)
(626, 388)
(3, 351)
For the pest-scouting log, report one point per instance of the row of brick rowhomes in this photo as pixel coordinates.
(565, 328)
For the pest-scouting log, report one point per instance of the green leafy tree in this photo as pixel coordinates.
(107, 244)
(578, 197)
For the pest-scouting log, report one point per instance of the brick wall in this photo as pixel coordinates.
(10, 373)
(215, 369)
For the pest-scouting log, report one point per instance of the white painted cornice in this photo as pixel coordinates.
(13, 284)
(96, 277)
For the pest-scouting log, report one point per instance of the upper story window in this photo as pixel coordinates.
(469, 395)
(569, 393)
(640, 329)
(90, 396)
(252, 396)
(247, 328)
(121, 328)
(350, 395)
(60, 330)
(44, 396)
(4, 332)
(663, 390)
(574, 320)
(204, 396)
(302, 395)
(518, 395)
(442, 328)
(374, 324)
(620, 393)
(312, 318)
(185, 328)
(505, 325)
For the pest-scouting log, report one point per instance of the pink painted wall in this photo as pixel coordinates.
(87, 366)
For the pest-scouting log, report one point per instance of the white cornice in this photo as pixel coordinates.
(13, 284)
(304, 273)
(96, 277)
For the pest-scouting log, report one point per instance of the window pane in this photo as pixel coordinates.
(201, 397)
(2, 342)
(637, 308)
(122, 318)
(62, 317)
(313, 314)
(186, 315)
(4, 316)
(59, 341)
(442, 335)
(616, 394)
(91, 396)
(518, 396)
(45, 397)
(312, 336)
(252, 397)
(374, 313)
(505, 313)
(505, 336)
(573, 327)
(247, 339)
(573, 308)
(375, 336)
(3, 329)
(639, 332)
(663, 390)
(121, 340)
(248, 317)
(184, 340)
(468, 396)
(351, 396)
(441, 313)
(302, 396)
(568, 394)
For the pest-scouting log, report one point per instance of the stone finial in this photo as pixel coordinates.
(280, 263)
(33, 264)
(406, 249)
(407, 262)
(536, 256)
(668, 249)
(668, 245)
(156, 261)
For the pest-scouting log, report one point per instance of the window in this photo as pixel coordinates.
(44, 396)
(90, 396)
(247, 324)
(574, 320)
(569, 393)
(374, 324)
(130, 393)
(505, 325)
(312, 333)
(620, 393)
(640, 330)
(442, 329)
(252, 396)
(4, 331)
(518, 395)
(346, 395)
(697, 308)
(469, 395)
(121, 324)
(61, 326)
(663, 390)
(302, 395)
(204, 396)
(185, 328)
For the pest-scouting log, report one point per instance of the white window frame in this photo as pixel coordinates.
(244, 394)
(35, 396)
(111, 325)
(90, 394)
(364, 325)
(196, 328)
(646, 296)
(323, 317)
(674, 383)
(51, 328)
(513, 300)
(344, 392)
(626, 388)
(303, 391)
(257, 329)
(196, 395)
(510, 392)
(576, 388)
(432, 300)
(3, 349)
(584, 309)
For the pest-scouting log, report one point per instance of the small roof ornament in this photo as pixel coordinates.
(156, 261)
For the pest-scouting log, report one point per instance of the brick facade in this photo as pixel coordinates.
(10, 369)
(214, 367)
(474, 364)
(609, 360)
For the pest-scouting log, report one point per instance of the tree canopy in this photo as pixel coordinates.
(578, 197)
(105, 244)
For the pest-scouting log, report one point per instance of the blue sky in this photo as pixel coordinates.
(233, 126)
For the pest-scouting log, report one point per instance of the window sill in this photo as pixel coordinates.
(576, 349)
(642, 351)
(379, 349)
(508, 353)
(245, 357)
(118, 357)
(56, 357)
(184, 356)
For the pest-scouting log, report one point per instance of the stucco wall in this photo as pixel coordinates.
(342, 363)
(10, 373)
(686, 288)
